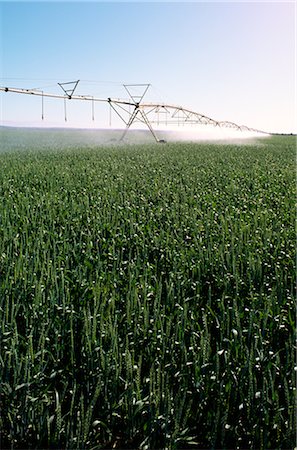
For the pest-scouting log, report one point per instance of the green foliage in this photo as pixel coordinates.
(147, 296)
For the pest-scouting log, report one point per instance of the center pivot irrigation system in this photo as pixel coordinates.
(134, 109)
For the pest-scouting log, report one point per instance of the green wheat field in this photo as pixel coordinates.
(147, 294)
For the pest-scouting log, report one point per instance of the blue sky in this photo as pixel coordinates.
(228, 60)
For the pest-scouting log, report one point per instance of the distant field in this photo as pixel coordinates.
(13, 138)
(147, 295)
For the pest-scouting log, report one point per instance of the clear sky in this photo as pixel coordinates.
(231, 61)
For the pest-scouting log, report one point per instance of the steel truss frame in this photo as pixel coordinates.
(146, 113)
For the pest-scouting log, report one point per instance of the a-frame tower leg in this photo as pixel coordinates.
(137, 101)
(130, 121)
(145, 119)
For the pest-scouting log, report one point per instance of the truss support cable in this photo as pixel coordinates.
(111, 105)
